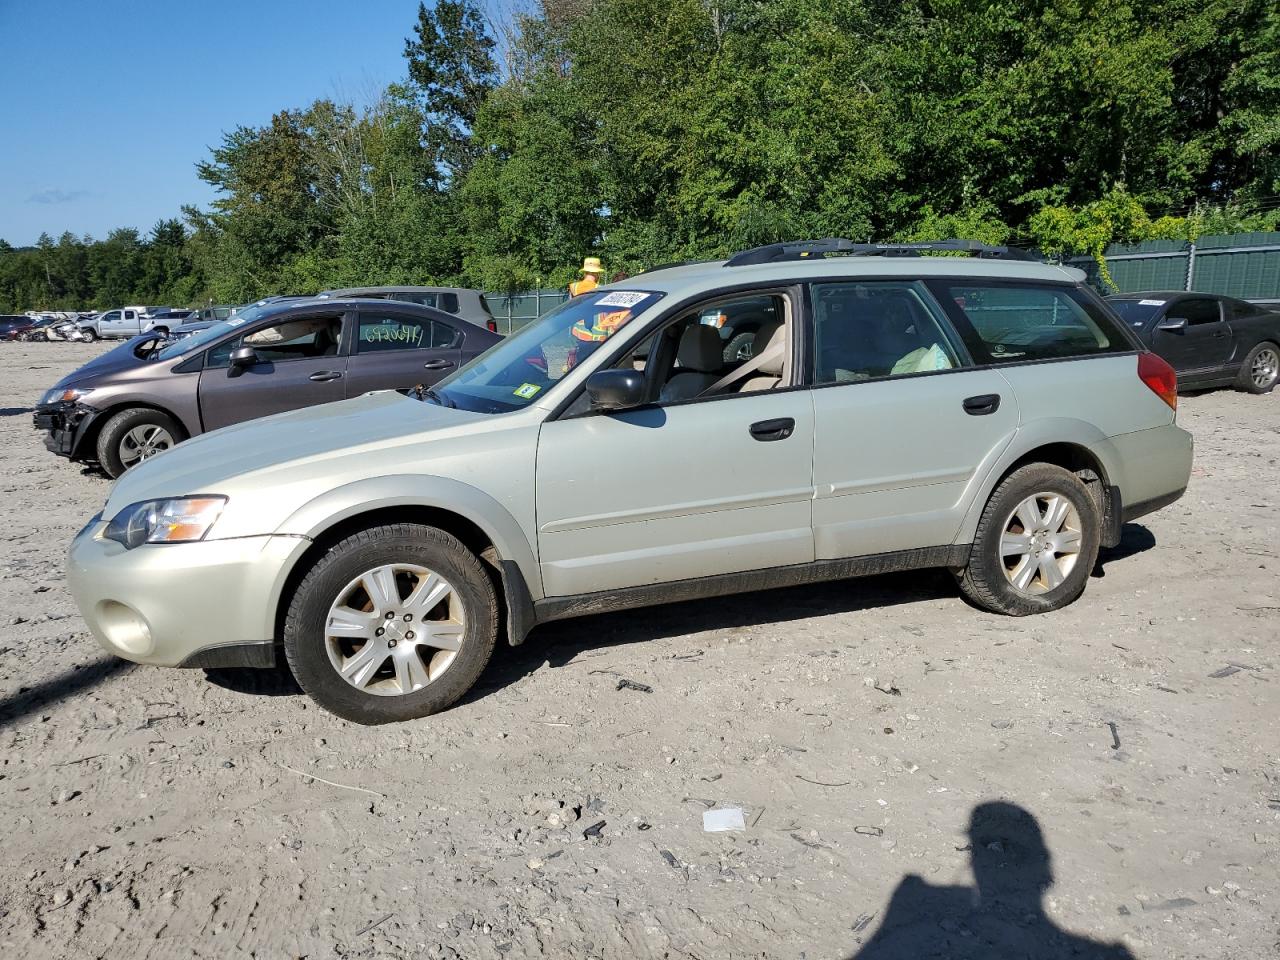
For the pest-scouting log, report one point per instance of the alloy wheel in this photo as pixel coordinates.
(1041, 543)
(142, 442)
(394, 629)
(1266, 366)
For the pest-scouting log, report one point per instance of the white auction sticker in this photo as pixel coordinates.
(621, 298)
(1151, 303)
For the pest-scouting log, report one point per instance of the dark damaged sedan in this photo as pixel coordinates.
(1209, 340)
(148, 394)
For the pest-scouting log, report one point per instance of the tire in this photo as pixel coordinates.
(1260, 370)
(119, 439)
(989, 578)
(739, 346)
(161, 332)
(89, 335)
(468, 615)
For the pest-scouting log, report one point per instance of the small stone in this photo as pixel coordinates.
(534, 864)
(228, 764)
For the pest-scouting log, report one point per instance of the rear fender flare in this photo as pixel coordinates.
(1029, 437)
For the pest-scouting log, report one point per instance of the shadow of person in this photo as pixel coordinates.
(1000, 917)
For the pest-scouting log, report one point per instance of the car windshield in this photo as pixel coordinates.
(523, 367)
(202, 338)
(1136, 313)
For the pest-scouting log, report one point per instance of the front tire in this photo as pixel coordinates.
(134, 435)
(393, 623)
(88, 335)
(1036, 543)
(1260, 370)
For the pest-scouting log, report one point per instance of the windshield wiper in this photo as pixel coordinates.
(439, 398)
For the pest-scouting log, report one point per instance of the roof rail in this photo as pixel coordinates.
(804, 249)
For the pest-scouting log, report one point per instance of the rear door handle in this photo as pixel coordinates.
(437, 365)
(779, 429)
(982, 404)
(324, 376)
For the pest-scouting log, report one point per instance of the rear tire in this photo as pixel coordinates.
(1019, 566)
(134, 435)
(374, 655)
(740, 346)
(1260, 370)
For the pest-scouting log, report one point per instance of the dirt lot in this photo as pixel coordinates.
(161, 813)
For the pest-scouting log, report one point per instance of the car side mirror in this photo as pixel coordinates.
(1173, 324)
(616, 389)
(241, 357)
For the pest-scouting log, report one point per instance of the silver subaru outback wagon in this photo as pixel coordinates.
(985, 413)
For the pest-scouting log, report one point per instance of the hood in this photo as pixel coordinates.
(116, 360)
(255, 454)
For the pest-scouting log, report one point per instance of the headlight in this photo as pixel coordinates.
(179, 520)
(64, 395)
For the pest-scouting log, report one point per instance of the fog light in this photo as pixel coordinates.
(125, 628)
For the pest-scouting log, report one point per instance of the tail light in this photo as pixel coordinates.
(1159, 378)
(491, 325)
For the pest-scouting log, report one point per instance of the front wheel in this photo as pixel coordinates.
(134, 435)
(393, 623)
(88, 335)
(1260, 370)
(1035, 545)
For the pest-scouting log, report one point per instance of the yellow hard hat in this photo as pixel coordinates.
(591, 265)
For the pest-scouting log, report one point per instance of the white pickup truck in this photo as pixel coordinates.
(122, 323)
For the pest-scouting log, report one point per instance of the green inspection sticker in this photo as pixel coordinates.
(526, 391)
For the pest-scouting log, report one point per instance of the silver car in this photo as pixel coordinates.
(985, 414)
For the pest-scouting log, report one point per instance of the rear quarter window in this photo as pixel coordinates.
(1018, 323)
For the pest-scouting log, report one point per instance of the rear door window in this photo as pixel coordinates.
(1017, 323)
(380, 332)
(876, 329)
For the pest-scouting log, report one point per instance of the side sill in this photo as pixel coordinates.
(562, 608)
(261, 653)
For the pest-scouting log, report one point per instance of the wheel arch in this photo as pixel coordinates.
(482, 525)
(1075, 446)
(88, 441)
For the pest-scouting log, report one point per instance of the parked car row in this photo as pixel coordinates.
(987, 414)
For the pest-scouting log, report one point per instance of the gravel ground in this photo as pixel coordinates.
(859, 725)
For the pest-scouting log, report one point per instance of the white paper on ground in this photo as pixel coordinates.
(727, 818)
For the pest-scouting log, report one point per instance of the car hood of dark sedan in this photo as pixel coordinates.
(117, 360)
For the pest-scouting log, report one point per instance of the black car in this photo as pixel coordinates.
(1210, 340)
(11, 322)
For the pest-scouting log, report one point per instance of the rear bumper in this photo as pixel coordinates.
(1155, 468)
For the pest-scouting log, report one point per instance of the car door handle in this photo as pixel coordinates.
(982, 404)
(324, 376)
(437, 365)
(779, 429)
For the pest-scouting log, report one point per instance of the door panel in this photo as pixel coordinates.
(268, 388)
(671, 493)
(398, 351)
(893, 458)
(1203, 344)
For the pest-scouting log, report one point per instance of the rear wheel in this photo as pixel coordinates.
(393, 623)
(134, 435)
(1035, 545)
(1260, 370)
(740, 346)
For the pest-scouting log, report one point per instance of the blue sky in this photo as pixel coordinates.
(107, 105)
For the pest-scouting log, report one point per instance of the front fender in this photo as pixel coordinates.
(1028, 437)
(414, 490)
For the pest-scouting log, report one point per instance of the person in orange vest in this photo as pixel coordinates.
(591, 272)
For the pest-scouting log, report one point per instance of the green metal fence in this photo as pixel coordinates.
(513, 311)
(1245, 265)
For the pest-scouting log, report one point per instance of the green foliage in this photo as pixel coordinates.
(648, 131)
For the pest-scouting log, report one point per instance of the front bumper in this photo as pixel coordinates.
(205, 604)
(66, 425)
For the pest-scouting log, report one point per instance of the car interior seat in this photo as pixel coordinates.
(770, 339)
(700, 356)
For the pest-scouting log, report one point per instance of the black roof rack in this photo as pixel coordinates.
(803, 249)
